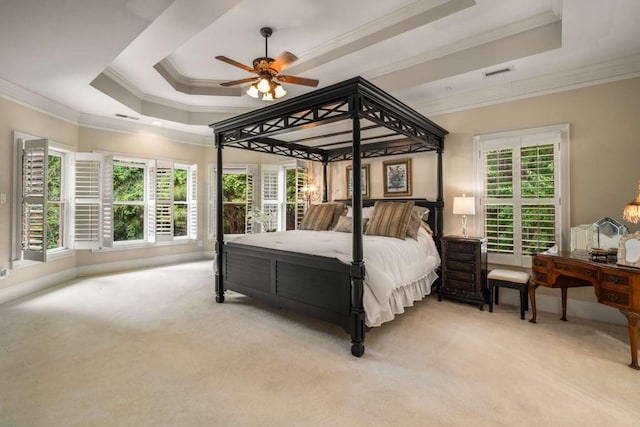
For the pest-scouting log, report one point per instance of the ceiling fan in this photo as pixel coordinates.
(268, 71)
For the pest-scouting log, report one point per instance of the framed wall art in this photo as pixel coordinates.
(364, 179)
(397, 177)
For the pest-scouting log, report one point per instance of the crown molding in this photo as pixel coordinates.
(183, 84)
(506, 31)
(398, 22)
(34, 101)
(133, 128)
(611, 71)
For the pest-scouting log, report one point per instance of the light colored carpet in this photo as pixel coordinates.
(151, 348)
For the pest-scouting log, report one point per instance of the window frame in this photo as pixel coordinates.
(134, 162)
(56, 148)
(515, 140)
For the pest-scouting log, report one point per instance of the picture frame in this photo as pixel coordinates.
(397, 177)
(364, 180)
(629, 250)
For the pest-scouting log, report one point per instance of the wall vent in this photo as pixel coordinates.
(495, 72)
(124, 116)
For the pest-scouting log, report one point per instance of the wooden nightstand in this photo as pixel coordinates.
(464, 269)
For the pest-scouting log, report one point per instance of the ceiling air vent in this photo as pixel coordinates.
(495, 72)
(124, 116)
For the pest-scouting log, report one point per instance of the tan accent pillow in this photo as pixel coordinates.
(390, 219)
(318, 217)
(416, 221)
(345, 224)
(341, 209)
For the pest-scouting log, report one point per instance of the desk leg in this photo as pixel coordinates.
(532, 297)
(633, 318)
(564, 304)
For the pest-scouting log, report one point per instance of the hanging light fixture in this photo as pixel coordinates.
(268, 87)
(632, 209)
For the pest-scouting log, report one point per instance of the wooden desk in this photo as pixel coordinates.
(614, 285)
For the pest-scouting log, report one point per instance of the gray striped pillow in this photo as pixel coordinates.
(390, 219)
(318, 217)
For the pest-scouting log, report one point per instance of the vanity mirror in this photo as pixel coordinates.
(607, 233)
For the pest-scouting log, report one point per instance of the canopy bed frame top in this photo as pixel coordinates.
(391, 128)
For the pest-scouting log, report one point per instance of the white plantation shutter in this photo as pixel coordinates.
(93, 200)
(301, 205)
(192, 198)
(249, 202)
(271, 195)
(164, 201)
(520, 195)
(34, 199)
(151, 201)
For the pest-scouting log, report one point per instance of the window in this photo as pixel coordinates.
(67, 200)
(281, 203)
(128, 200)
(237, 199)
(55, 201)
(296, 177)
(522, 184)
(173, 194)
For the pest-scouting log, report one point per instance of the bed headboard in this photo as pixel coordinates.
(435, 212)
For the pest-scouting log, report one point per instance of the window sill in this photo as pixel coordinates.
(144, 245)
(51, 256)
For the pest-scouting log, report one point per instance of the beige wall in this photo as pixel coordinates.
(604, 148)
(14, 117)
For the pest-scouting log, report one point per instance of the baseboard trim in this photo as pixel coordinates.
(575, 308)
(134, 264)
(32, 286)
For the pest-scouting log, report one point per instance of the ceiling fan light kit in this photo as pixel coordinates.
(268, 71)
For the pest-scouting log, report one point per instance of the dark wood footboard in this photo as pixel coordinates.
(309, 284)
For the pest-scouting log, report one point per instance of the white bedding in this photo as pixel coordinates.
(398, 272)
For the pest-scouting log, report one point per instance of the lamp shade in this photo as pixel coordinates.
(464, 205)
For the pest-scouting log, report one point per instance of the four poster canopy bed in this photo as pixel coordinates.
(317, 270)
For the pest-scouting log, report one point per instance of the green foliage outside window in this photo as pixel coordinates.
(537, 182)
(128, 218)
(54, 207)
(234, 196)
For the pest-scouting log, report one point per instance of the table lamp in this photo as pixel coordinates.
(464, 206)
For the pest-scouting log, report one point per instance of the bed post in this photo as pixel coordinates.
(325, 199)
(440, 200)
(219, 222)
(357, 265)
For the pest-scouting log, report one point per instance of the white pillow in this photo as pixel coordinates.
(366, 212)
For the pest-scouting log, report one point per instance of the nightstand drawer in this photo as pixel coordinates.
(460, 248)
(452, 265)
(467, 276)
(462, 256)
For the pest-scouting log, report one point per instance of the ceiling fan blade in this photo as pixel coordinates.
(235, 63)
(283, 61)
(237, 82)
(298, 80)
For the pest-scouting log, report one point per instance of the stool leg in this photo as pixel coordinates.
(491, 291)
(497, 295)
(526, 298)
(523, 301)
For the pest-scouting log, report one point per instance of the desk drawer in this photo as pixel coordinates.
(613, 297)
(609, 278)
(576, 270)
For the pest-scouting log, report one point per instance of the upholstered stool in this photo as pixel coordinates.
(508, 279)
